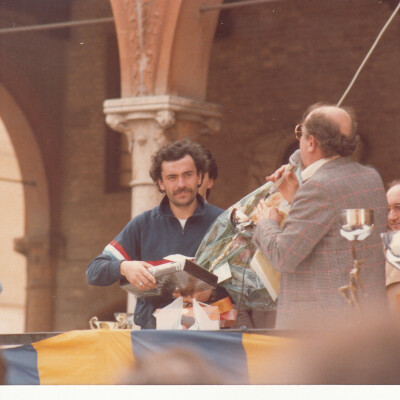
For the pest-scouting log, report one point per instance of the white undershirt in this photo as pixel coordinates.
(183, 222)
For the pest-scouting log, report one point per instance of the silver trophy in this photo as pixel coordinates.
(355, 224)
(391, 246)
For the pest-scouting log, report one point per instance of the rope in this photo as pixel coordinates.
(204, 8)
(18, 181)
(368, 54)
(56, 25)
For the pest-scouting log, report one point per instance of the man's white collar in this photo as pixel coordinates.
(308, 172)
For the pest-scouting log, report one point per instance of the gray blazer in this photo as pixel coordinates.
(314, 259)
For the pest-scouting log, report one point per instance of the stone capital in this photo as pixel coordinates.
(42, 243)
(28, 244)
(166, 111)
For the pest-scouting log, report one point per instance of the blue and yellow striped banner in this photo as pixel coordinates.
(99, 357)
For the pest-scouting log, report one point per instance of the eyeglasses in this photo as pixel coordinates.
(298, 131)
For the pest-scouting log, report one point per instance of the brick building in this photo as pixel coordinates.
(237, 80)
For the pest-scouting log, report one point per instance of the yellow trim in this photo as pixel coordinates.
(262, 354)
(89, 357)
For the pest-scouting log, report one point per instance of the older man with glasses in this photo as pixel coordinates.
(393, 198)
(392, 273)
(313, 258)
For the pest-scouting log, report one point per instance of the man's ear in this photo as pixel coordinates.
(160, 185)
(210, 183)
(312, 144)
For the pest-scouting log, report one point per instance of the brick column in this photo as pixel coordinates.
(40, 281)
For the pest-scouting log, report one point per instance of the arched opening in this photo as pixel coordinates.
(12, 264)
(34, 216)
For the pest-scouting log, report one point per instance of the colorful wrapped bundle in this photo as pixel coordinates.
(224, 243)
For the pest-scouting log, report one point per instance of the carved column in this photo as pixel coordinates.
(149, 123)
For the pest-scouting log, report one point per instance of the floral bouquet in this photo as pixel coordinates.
(229, 241)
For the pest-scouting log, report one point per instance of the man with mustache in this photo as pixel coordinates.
(176, 226)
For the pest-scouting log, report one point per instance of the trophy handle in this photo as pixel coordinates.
(122, 320)
(94, 323)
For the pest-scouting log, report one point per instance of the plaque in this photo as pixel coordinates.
(184, 277)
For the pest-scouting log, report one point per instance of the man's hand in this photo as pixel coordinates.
(289, 186)
(136, 273)
(265, 212)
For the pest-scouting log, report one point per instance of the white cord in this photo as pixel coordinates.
(369, 53)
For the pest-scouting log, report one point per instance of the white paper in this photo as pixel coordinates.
(178, 258)
(223, 272)
(170, 316)
(201, 320)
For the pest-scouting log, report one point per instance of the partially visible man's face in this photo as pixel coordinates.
(393, 198)
(303, 150)
(180, 181)
(206, 184)
(304, 146)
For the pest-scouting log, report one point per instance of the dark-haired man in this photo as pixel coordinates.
(210, 175)
(176, 226)
(309, 251)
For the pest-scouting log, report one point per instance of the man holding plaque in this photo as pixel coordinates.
(314, 259)
(176, 226)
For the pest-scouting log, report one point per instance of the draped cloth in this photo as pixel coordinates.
(100, 357)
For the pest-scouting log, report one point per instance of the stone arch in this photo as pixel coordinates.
(164, 46)
(35, 243)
